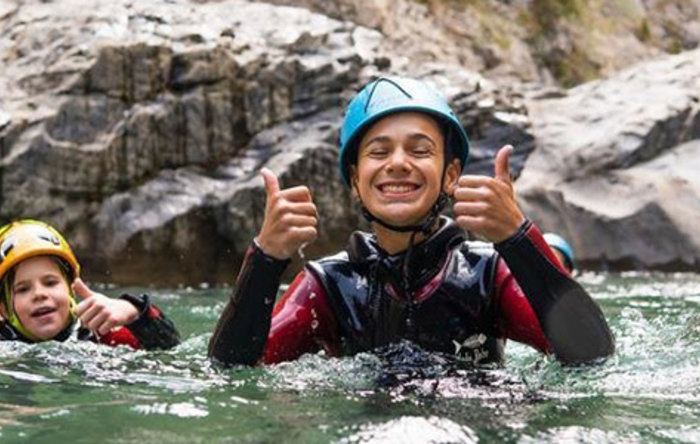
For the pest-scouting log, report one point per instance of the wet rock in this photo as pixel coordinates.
(138, 129)
(547, 41)
(616, 168)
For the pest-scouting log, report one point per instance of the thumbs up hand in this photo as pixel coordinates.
(290, 218)
(486, 205)
(100, 313)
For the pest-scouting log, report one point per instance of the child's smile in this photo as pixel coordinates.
(399, 167)
(41, 297)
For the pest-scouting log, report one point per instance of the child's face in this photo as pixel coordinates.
(399, 168)
(41, 297)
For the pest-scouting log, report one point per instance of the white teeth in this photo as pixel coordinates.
(397, 188)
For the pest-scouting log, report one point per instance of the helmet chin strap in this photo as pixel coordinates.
(424, 227)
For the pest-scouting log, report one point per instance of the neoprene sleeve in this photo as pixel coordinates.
(571, 320)
(152, 328)
(241, 333)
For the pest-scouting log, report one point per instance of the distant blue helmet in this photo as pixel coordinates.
(389, 95)
(558, 242)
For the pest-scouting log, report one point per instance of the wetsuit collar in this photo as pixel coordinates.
(8, 332)
(428, 255)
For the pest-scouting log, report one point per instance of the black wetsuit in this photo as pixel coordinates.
(460, 298)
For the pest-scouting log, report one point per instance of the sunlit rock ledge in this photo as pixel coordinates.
(617, 167)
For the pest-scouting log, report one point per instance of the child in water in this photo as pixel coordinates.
(415, 277)
(43, 297)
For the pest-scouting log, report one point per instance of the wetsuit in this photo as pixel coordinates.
(151, 330)
(460, 298)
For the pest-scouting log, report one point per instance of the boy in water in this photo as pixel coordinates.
(39, 283)
(415, 276)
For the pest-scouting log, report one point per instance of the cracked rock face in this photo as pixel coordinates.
(617, 166)
(139, 128)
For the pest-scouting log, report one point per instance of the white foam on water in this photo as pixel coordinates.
(179, 409)
(413, 429)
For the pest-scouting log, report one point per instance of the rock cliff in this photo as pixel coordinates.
(138, 129)
(566, 42)
(617, 166)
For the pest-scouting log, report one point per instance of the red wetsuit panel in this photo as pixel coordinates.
(120, 336)
(250, 331)
(302, 322)
(535, 236)
(517, 318)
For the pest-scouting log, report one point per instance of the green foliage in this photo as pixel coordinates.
(568, 37)
(675, 46)
(674, 37)
(547, 13)
(572, 68)
(644, 31)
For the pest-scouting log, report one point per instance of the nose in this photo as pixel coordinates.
(40, 293)
(398, 161)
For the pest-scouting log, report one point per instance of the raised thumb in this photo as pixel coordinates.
(501, 165)
(81, 290)
(272, 184)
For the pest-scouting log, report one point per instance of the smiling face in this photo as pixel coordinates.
(41, 297)
(399, 168)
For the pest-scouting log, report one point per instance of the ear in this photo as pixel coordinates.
(452, 173)
(353, 182)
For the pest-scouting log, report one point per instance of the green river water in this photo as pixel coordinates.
(648, 392)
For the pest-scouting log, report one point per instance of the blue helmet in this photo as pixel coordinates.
(558, 242)
(389, 95)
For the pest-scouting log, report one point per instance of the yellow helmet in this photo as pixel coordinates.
(25, 239)
(28, 238)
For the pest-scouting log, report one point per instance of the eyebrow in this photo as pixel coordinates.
(413, 137)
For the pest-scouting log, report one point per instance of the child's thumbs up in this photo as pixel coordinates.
(99, 313)
(81, 290)
(84, 295)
